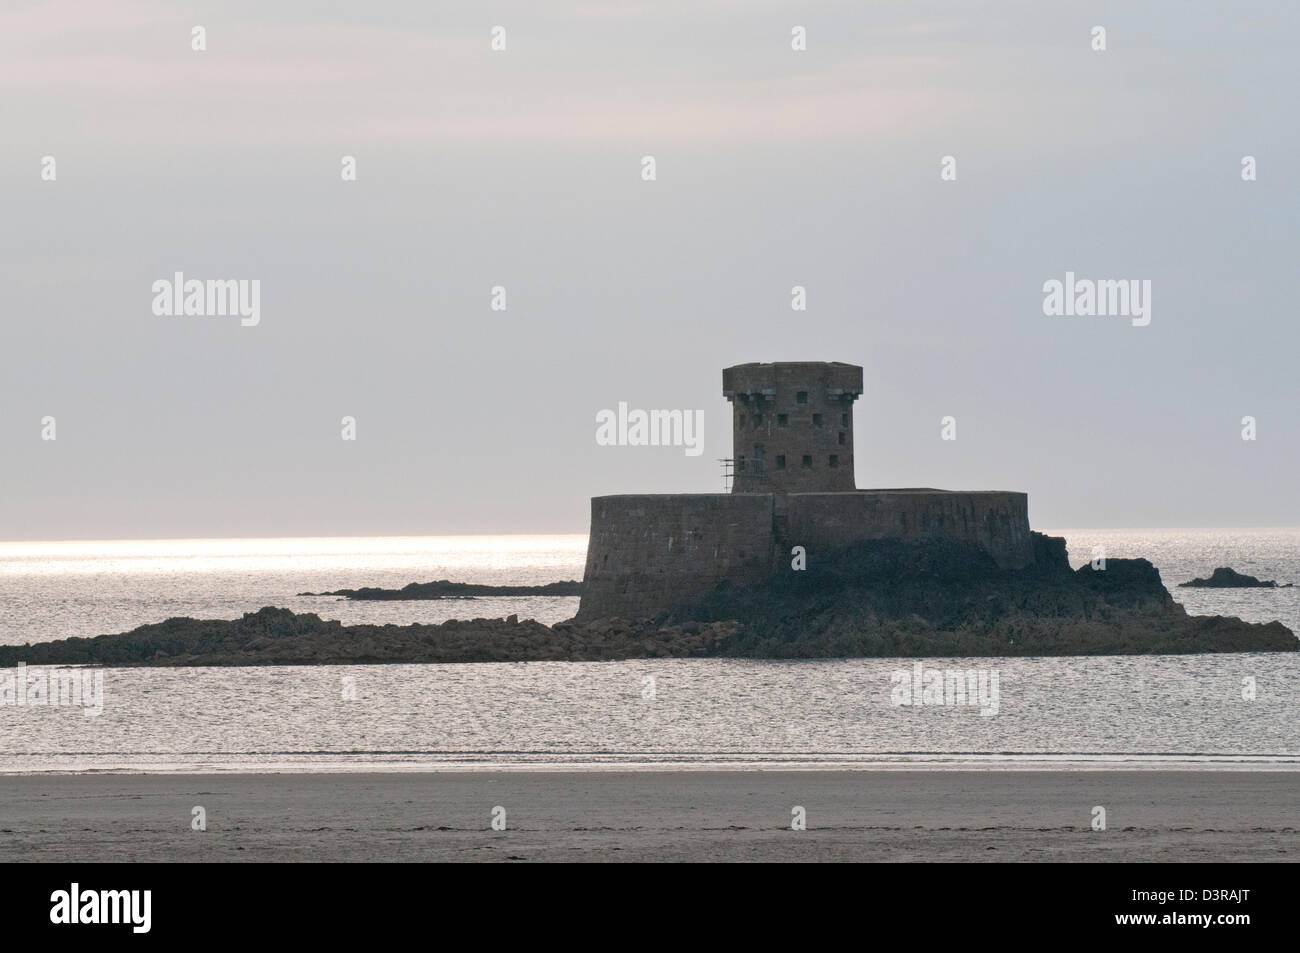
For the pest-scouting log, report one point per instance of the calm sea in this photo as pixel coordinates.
(1171, 711)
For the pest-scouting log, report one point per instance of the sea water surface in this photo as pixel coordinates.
(1238, 711)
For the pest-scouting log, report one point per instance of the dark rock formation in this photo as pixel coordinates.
(280, 637)
(1225, 578)
(896, 598)
(875, 598)
(444, 589)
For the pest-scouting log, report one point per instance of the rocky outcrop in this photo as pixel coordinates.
(896, 598)
(445, 589)
(1225, 578)
(273, 636)
(875, 598)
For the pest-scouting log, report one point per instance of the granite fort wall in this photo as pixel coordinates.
(648, 554)
(996, 520)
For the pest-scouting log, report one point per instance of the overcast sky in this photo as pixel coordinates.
(523, 169)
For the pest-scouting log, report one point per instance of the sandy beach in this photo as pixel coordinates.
(872, 815)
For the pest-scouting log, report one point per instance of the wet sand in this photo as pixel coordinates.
(873, 815)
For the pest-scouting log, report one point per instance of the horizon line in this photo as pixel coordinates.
(238, 538)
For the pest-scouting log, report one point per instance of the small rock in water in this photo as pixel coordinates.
(1226, 578)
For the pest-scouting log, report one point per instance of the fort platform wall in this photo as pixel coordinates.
(647, 554)
(996, 520)
(650, 553)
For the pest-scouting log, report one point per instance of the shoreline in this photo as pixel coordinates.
(672, 815)
(947, 660)
(884, 762)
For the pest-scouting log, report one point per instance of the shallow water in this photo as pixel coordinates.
(1168, 711)
(682, 711)
(58, 590)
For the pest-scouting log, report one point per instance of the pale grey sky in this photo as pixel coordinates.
(522, 168)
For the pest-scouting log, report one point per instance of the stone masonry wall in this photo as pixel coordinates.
(792, 426)
(648, 554)
(996, 520)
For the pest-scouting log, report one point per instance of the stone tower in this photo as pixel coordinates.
(792, 426)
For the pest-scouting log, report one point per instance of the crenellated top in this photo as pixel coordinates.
(835, 378)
